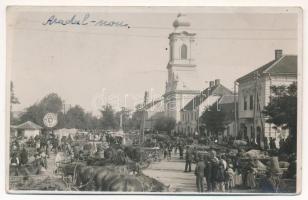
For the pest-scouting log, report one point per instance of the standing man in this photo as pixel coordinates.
(214, 170)
(23, 156)
(199, 172)
(181, 149)
(14, 165)
(169, 151)
(43, 158)
(188, 157)
(220, 177)
(176, 145)
(208, 175)
(223, 161)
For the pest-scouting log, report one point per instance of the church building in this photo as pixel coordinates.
(181, 69)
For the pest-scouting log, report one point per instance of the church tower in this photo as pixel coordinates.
(181, 69)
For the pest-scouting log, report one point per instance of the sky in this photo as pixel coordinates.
(93, 65)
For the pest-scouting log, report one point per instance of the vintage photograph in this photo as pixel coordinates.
(150, 100)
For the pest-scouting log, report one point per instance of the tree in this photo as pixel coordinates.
(75, 118)
(91, 122)
(137, 117)
(50, 103)
(108, 119)
(213, 120)
(282, 110)
(14, 100)
(164, 123)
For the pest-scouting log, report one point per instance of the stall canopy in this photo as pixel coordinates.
(27, 129)
(66, 132)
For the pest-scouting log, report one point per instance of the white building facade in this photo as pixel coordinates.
(254, 93)
(190, 115)
(181, 69)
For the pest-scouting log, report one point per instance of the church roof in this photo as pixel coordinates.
(216, 90)
(28, 126)
(153, 103)
(287, 64)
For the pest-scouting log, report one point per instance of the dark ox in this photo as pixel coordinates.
(115, 178)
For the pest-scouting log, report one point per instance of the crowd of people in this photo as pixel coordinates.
(214, 171)
(222, 172)
(225, 172)
(23, 151)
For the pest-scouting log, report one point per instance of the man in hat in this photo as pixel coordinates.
(220, 177)
(14, 164)
(181, 149)
(23, 156)
(188, 158)
(215, 165)
(199, 172)
(208, 174)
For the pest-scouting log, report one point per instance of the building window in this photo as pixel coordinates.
(251, 102)
(245, 103)
(184, 52)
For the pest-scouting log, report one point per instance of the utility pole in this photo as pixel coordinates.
(257, 108)
(235, 110)
(146, 95)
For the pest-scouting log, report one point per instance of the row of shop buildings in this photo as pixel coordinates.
(243, 105)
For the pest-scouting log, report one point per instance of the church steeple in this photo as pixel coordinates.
(181, 68)
(181, 22)
(181, 43)
(181, 58)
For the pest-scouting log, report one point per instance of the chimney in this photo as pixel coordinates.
(211, 84)
(278, 54)
(217, 82)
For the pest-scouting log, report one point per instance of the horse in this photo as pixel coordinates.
(152, 185)
(125, 183)
(85, 175)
